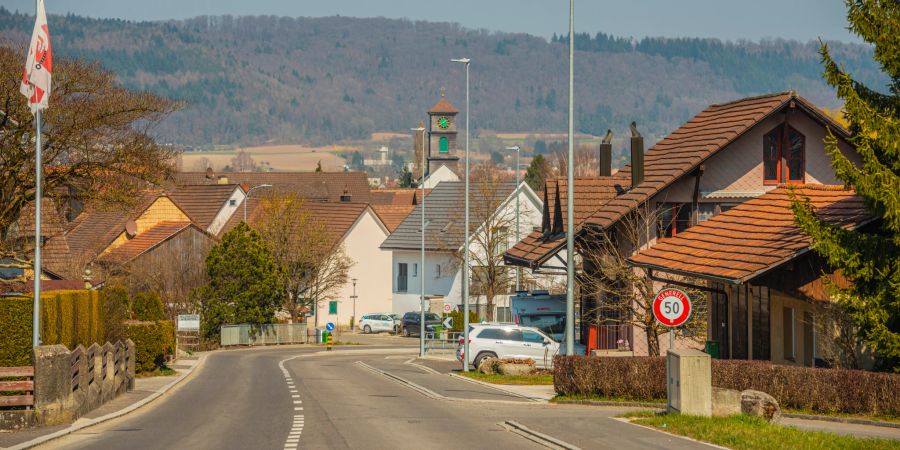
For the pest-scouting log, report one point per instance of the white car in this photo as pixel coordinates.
(376, 322)
(511, 341)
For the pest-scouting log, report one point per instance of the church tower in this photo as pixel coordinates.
(442, 132)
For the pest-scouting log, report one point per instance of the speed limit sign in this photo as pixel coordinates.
(672, 307)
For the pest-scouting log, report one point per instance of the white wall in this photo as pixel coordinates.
(227, 211)
(442, 173)
(371, 268)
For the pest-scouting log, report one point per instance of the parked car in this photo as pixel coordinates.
(376, 323)
(410, 324)
(512, 341)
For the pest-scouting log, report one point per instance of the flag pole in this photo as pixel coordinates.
(38, 166)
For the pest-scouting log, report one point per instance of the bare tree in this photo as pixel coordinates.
(243, 162)
(492, 231)
(312, 265)
(586, 161)
(624, 293)
(202, 164)
(97, 143)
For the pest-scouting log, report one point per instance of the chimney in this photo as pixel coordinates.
(606, 155)
(222, 179)
(637, 156)
(209, 173)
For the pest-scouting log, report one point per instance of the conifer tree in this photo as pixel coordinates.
(870, 259)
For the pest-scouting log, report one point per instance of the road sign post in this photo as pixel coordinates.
(672, 308)
(329, 327)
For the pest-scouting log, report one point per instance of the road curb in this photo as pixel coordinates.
(81, 424)
(850, 420)
(610, 403)
(498, 387)
(536, 436)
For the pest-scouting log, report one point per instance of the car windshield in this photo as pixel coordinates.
(548, 323)
(432, 316)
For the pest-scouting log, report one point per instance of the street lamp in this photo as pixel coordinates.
(518, 236)
(465, 279)
(353, 319)
(422, 265)
(570, 192)
(247, 197)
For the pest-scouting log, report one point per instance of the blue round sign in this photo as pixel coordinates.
(329, 326)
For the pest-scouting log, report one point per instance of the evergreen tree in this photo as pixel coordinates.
(148, 306)
(537, 173)
(243, 283)
(405, 180)
(319, 166)
(871, 259)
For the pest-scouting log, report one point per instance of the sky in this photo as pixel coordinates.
(801, 20)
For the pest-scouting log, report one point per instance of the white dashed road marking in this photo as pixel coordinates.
(293, 438)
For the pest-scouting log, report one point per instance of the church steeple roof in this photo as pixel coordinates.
(443, 107)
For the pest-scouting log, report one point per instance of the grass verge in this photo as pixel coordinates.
(163, 371)
(539, 378)
(872, 417)
(752, 433)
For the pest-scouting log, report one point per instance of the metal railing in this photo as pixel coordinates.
(273, 334)
(442, 344)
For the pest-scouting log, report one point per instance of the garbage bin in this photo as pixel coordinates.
(319, 335)
(712, 349)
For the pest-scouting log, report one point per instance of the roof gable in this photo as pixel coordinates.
(202, 203)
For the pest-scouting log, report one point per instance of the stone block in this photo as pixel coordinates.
(725, 402)
(129, 363)
(515, 368)
(760, 404)
(487, 366)
(53, 401)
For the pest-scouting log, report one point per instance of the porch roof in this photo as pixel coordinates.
(752, 238)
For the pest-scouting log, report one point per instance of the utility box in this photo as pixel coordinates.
(689, 382)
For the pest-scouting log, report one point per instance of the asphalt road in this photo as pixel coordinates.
(245, 399)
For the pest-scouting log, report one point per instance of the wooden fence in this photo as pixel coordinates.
(16, 386)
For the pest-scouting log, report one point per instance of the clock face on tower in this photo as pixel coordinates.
(443, 122)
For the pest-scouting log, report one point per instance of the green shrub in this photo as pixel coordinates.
(69, 318)
(807, 388)
(153, 340)
(457, 317)
(114, 312)
(147, 306)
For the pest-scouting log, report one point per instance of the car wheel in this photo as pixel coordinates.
(367, 329)
(405, 332)
(481, 356)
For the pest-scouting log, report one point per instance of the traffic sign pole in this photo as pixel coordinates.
(672, 308)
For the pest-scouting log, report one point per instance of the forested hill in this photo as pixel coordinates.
(252, 80)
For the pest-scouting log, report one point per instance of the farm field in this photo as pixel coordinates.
(279, 157)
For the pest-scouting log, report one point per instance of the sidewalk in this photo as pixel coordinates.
(145, 391)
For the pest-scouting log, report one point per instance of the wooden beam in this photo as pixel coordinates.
(13, 386)
(26, 371)
(17, 400)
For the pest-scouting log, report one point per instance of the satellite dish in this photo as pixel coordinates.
(130, 228)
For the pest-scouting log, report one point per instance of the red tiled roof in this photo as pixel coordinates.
(145, 241)
(443, 107)
(392, 215)
(535, 249)
(202, 202)
(396, 197)
(314, 186)
(93, 230)
(687, 147)
(753, 237)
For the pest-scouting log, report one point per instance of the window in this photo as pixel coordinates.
(706, 211)
(501, 240)
(332, 307)
(443, 145)
(232, 202)
(532, 337)
(673, 218)
(345, 198)
(489, 333)
(784, 156)
(437, 270)
(415, 270)
(401, 277)
(788, 330)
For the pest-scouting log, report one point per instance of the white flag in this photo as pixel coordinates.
(39, 64)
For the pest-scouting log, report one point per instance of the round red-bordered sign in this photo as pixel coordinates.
(672, 307)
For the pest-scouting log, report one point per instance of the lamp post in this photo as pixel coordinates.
(422, 265)
(247, 197)
(570, 192)
(465, 280)
(518, 236)
(353, 318)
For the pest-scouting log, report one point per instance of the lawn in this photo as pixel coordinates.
(158, 372)
(751, 433)
(545, 378)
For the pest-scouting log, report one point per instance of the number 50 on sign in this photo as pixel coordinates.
(672, 307)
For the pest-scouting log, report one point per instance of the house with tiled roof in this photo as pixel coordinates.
(725, 155)
(393, 205)
(767, 288)
(443, 240)
(334, 187)
(209, 206)
(359, 231)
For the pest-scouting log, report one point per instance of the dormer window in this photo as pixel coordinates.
(784, 156)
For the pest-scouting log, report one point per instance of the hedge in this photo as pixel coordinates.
(807, 388)
(69, 318)
(153, 340)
